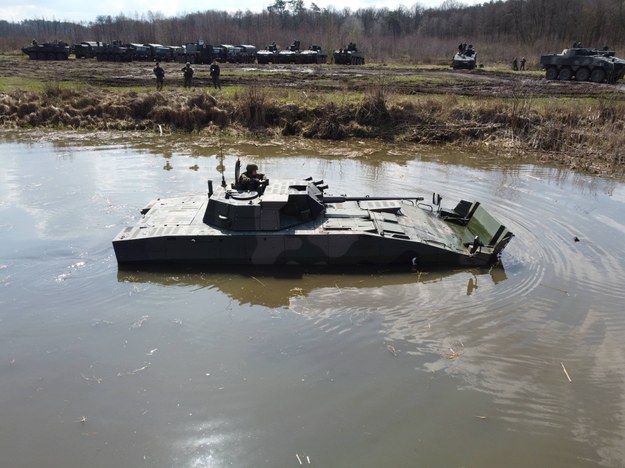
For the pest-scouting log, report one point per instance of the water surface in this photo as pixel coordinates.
(190, 368)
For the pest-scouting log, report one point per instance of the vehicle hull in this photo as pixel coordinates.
(395, 231)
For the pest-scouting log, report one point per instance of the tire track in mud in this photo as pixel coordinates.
(330, 78)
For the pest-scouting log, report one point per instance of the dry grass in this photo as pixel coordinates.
(584, 134)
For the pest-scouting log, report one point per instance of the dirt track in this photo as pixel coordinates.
(329, 78)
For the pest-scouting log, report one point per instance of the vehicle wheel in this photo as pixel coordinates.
(565, 74)
(597, 75)
(32, 56)
(582, 74)
(551, 73)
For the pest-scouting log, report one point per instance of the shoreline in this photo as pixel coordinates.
(520, 116)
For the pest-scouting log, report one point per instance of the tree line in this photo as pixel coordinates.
(498, 29)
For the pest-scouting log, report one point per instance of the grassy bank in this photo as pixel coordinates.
(585, 133)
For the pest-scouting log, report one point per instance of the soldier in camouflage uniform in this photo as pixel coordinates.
(251, 179)
(188, 74)
(160, 76)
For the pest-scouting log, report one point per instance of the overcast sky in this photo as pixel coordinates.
(87, 11)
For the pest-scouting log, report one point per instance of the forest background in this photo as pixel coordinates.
(498, 29)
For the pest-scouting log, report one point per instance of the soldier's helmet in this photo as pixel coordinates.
(188, 63)
(251, 167)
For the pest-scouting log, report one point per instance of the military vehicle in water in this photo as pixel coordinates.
(584, 64)
(466, 58)
(47, 51)
(350, 55)
(294, 222)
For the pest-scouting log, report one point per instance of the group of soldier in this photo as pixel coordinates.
(187, 73)
(515, 64)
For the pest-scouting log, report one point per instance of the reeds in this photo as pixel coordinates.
(584, 132)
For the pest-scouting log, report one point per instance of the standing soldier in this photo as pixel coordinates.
(523, 63)
(214, 70)
(515, 64)
(160, 76)
(188, 74)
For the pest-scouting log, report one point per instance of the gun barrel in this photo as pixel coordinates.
(341, 199)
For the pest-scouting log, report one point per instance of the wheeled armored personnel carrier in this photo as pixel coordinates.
(294, 222)
(349, 56)
(584, 64)
(47, 51)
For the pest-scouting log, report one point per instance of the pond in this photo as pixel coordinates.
(519, 365)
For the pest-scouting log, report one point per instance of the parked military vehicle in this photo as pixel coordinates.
(141, 52)
(86, 49)
(295, 222)
(314, 54)
(290, 55)
(47, 51)
(268, 55)
(349, 56)
(466, 58)
(584, 64)
(114, 52)
(168, 53)
(243, 53)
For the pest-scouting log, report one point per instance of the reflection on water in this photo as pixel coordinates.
(275, 288)
(100, 367)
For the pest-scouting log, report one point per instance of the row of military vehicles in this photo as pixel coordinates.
(193, 52)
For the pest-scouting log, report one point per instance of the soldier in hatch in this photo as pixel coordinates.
(251, 179)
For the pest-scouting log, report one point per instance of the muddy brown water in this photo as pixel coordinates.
(182, 368)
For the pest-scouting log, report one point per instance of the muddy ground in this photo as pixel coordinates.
(322, 78)
(519, 114)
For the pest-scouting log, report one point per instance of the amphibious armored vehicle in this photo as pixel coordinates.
(584, 64)
(47, 51)
(350, 55)
(268, 55)
(466, 58)
(314, 54)
(294, 222)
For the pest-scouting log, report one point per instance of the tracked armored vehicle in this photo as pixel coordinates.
(465, 59)
(314, 54)
(268, 55)
(294, 222)
(584, 64)
(47, 51)
(350, 55)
